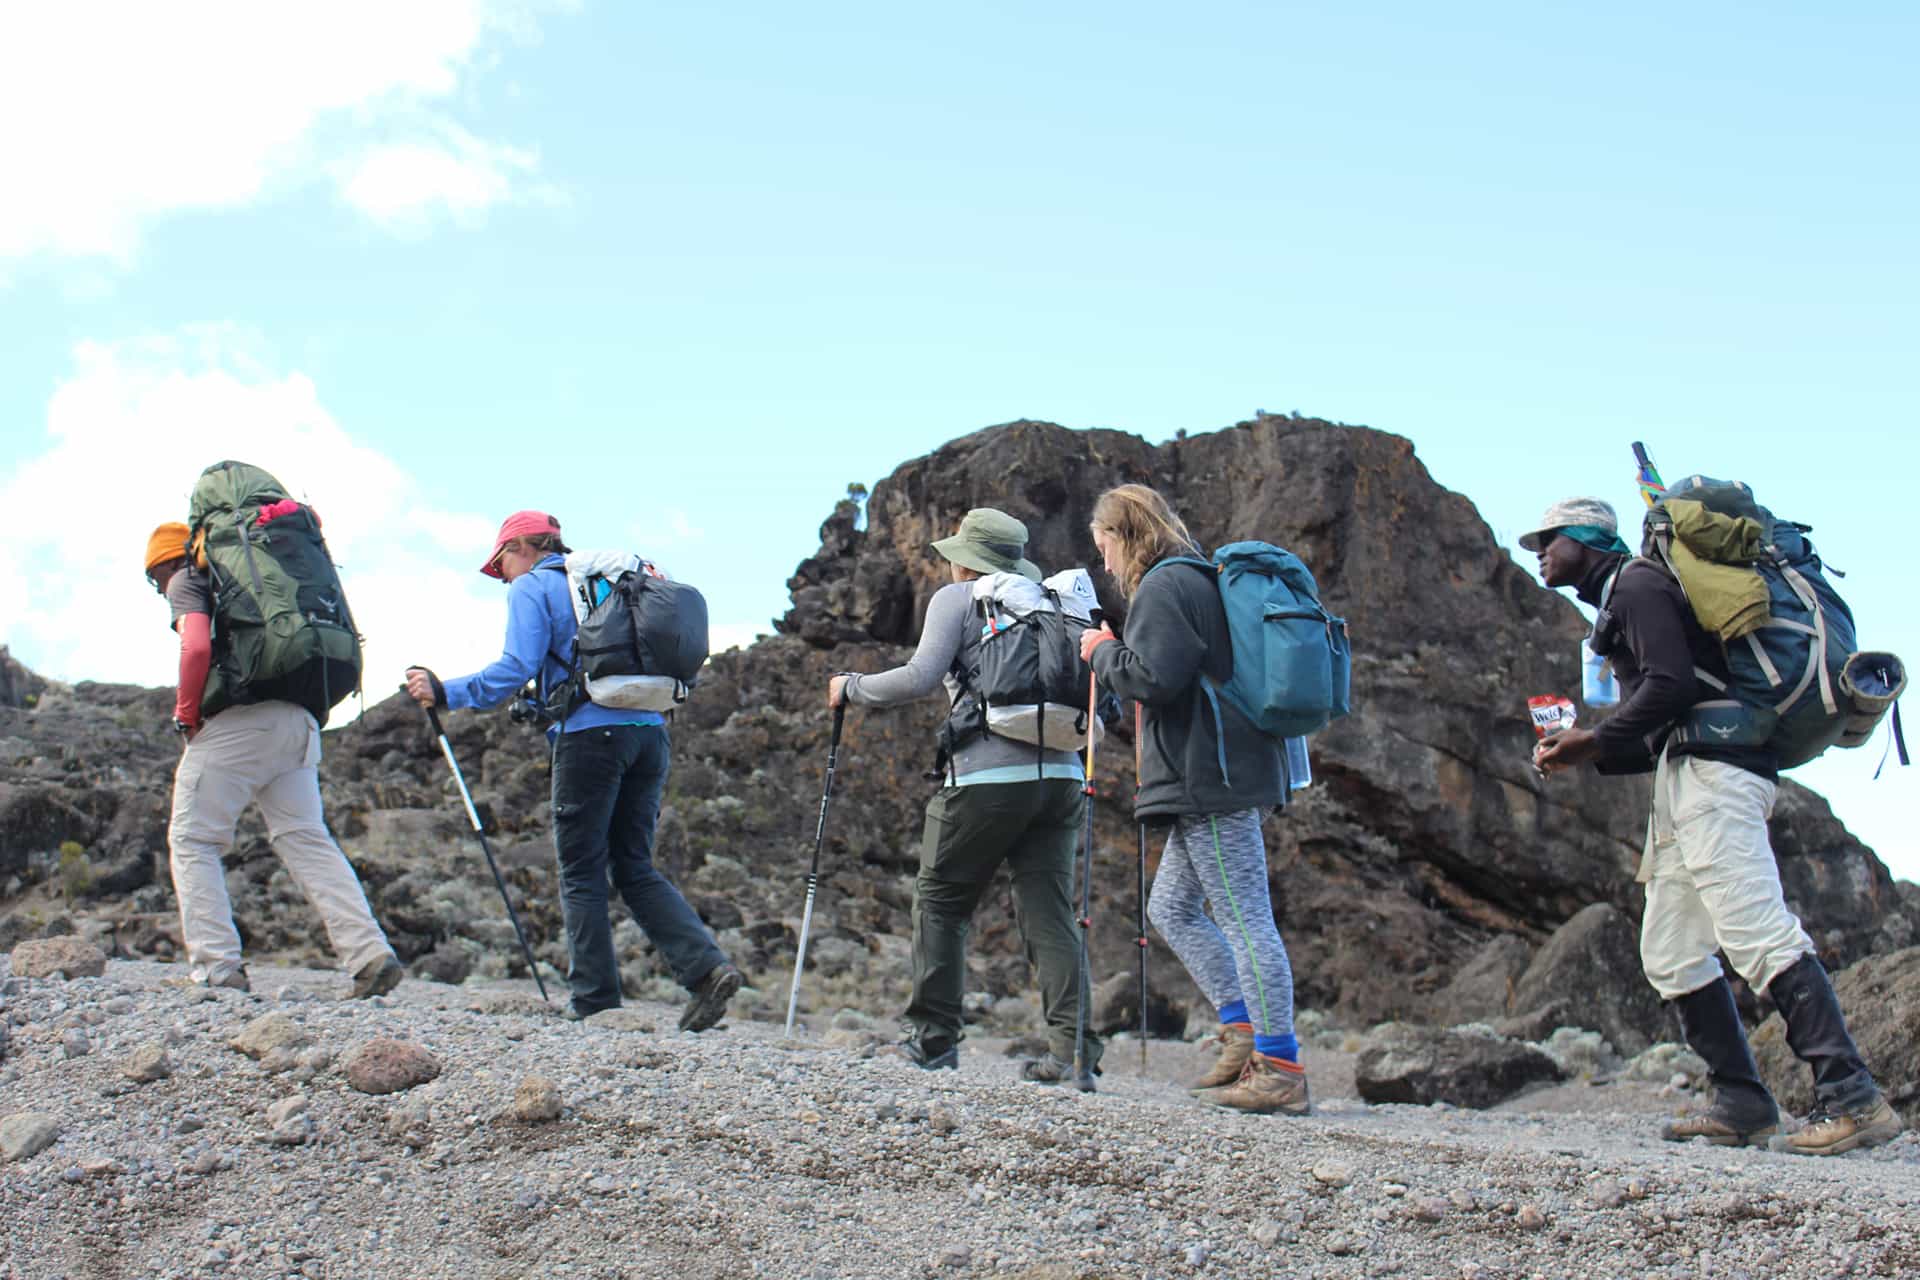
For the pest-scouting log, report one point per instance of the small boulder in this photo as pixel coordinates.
(536, 1101)
(147, 1064)
(268, 1032)
(1481, 989)
(1116, 1007)
(1400, 1062)
(26, 1134)
(390, 1066)
(44, 957)
(1588, 975)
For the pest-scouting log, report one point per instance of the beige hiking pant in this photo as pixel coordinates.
(1712, 883)
(269, 752)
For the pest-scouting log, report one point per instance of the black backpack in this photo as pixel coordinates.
(644, 625)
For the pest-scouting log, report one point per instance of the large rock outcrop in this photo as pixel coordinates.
(1425, 837)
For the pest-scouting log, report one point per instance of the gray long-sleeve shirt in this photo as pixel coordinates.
(952, 631)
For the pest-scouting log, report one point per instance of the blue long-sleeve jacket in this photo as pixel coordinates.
(540, 631)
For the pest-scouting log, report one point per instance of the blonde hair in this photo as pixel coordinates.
(1146, 528)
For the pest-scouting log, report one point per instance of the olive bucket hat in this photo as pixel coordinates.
(989, 541)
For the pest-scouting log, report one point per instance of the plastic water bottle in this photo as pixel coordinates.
(1299, 768)
(1598, 688)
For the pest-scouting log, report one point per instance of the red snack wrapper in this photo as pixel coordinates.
(1551, 714)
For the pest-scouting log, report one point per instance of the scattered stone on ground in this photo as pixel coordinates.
(147, 1064)
(536, 1101)
(68, 955)
(26, 1134)
(270, 1032)
(385, 1065)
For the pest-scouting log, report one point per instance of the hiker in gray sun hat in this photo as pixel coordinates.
(1586, 520)
(990, 541)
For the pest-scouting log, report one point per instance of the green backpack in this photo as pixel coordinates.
(281, 627)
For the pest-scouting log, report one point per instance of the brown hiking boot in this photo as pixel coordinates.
(236, 980)
(1236, 1046)
(376, 978)
(1717, 1128)
(1265, 1086)
(710, 996)
(1834, 1131)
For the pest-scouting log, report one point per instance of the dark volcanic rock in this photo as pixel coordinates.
(1588, 975)
(1399, 1062)
(1116, 1007)
(1881, 998)
(1481, 990)
(1425, 836)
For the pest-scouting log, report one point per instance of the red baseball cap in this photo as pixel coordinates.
(521, 524)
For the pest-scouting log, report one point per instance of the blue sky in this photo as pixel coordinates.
(681, 273)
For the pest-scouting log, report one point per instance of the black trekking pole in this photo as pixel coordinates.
(1140, 936)
(473, 816)
(1082, 1071)
(813, 870)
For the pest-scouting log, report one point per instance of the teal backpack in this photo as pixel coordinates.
(1799, 683)
(1292, 666)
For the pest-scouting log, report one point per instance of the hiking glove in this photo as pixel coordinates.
(439, 690)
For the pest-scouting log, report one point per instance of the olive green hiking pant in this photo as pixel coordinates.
(1034, 828)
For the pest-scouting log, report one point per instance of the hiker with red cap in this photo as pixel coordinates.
(239, 752)
(609, 771)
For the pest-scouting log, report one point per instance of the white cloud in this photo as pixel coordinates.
(119, 113)
(401, 184)
(127, 435)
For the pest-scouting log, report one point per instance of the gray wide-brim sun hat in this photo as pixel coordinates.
(1567, 513)
(989, 541)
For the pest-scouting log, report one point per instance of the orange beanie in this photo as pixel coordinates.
(168, 542)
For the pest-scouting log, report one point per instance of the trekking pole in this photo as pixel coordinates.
(1082, 1072)
(473, 816)
(1140, 883)
(813, 871)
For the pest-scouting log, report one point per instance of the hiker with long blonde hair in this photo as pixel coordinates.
(1208, 775)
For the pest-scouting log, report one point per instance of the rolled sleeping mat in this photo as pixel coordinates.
(1871, 683)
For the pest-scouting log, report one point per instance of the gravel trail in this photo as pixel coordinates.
(734, 1153)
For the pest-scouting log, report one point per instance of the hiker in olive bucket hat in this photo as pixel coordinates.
(1001, 801)
(1709, 872)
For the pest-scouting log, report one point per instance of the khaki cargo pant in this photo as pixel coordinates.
(1712, 883)
(269, 752)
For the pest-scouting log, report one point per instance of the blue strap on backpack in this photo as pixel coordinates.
(1292, 665)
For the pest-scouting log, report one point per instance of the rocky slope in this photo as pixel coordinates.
(1419, 878)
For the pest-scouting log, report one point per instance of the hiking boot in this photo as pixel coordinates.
(1743, 1113)
(234, 981)
(1047, 1069)
(1236, 1046)
(710, 996)
(928, 1055)
(1719, 1127)
(376, 978)
(1266, 1085)
(1832, 1131)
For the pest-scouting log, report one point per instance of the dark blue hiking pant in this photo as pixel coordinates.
(607, 783)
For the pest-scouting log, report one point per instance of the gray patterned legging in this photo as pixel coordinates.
(1219, 860)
